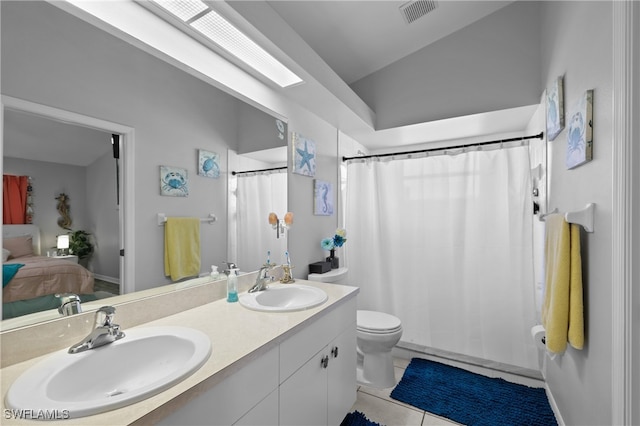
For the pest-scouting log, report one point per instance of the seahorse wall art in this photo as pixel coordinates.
(64, 221)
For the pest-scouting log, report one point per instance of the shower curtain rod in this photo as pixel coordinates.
(522, 138)
(258, 171)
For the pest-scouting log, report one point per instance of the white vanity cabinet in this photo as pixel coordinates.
(250, 390)
(318, 370)
(288, 384)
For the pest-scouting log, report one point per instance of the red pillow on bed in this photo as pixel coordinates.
(19, 246)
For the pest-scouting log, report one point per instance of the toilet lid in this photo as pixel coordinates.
(377, 322)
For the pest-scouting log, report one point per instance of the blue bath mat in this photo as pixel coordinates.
(357, 419)
(472, 399)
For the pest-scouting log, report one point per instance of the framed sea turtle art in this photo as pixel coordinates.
(174, 181)
(208, 164)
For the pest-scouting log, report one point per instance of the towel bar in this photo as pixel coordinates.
(582, 217)
(162, 219)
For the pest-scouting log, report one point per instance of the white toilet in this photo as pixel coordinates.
(377, 333)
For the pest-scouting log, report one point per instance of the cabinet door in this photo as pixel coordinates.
(342, 383)
(230, 399)
(263, 414)
(303, 396)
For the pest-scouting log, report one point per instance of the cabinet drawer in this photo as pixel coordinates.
(299, 348)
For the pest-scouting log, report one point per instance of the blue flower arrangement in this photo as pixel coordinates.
(336, 241)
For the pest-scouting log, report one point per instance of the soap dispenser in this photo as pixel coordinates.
(215, 275)
(232, 282)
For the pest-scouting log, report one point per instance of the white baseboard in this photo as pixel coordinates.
(554, 406)
(112, 280)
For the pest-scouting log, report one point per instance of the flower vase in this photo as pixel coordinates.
(335, 261)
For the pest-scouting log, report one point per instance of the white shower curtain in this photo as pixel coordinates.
(445, 244)
(257, 196)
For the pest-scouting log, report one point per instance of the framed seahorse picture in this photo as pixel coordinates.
(323, 198)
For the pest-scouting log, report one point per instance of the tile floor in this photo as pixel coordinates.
(379, 407)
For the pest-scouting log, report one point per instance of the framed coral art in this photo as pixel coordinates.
(174, 181)
(555, 109)
(304, 155)
(323, 198)
(580, 132)
(208, 164)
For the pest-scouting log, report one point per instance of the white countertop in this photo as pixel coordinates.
(238, 335)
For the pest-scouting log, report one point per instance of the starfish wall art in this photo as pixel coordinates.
(304, 155)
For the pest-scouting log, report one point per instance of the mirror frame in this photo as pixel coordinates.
(127, 268)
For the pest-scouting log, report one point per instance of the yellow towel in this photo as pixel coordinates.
(576, 309)
(562, 311)
(181, 247)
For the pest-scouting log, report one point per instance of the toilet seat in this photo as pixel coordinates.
(377, 322)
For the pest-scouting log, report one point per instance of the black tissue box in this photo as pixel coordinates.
(319, 267)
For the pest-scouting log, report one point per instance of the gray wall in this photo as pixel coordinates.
(49, 180)
(102, 217)
(490, 65)
(258, 131)
(576, 43)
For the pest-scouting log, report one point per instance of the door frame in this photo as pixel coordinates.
(126, 211)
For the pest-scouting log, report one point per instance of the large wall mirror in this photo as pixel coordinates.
(71, 79)
(257, 191)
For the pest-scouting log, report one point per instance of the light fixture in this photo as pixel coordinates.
(280, 224)
(215, 28)
(63, 244)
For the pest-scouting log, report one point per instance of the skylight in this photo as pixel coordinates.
(185, 9)
(217, 29)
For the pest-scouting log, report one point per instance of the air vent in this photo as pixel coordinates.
(415, 10)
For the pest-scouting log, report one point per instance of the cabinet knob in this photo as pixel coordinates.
(324, 362)
(334, 352)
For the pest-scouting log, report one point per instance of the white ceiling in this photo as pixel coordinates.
(42, 139)
(357, 38)
(335, 43)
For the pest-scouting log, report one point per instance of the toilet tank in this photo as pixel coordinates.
(335, 276)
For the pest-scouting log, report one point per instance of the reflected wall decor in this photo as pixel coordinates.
(580, 132)
(304, 155)
(208, 164)
(174, 181)
(555, 109)
(323, 198)
(281, 126)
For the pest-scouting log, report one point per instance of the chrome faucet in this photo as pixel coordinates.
(262, 280)
(69, 304)
(103, 333)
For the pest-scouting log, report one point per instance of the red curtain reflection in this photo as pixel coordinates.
(14, 199)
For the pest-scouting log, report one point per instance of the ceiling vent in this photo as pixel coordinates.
(415, 10)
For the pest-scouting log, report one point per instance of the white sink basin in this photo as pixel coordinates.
(284, 298)
(145, 362)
